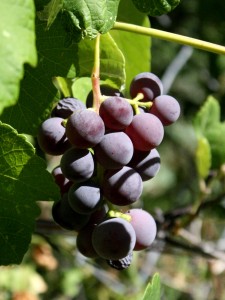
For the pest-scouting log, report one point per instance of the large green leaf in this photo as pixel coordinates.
(135, 48)
(23, 180)
(17, 38)
(152, 291)
(112, 64)
(156, 7)
(37, 90)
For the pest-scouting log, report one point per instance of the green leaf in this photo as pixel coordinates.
(156, 7)
(17, 47)
(208, 115)
(112, 64)
(152, 291)
(50, 11)
(215, 136)
(135, 48)
(38, 93)
(88, 17)
(23, 180)
(203, 157)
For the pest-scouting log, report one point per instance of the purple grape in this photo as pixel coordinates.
(116, 113)
(85, 128)
(77, 164)
(114, 151)
(106, 90)
(123, 186)
(66, 106)
(145, 131)
(146, 163)
(66, 217)
(121, 264)
(52, 137)
(113, 238)
(84, 242)
(85, 198)
(148, 84)
(166, 108)
(63, 182)
(144, 226)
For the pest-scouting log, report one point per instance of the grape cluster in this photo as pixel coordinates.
(106, 155)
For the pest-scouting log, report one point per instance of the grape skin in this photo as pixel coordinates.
(85, 128)
(145, 131)
(116, 113)
(146, 163)
(52, 137)
(123, 186)
(85, 198)
(84, 242)
(77, 164)
(148, 84)
(63, 182)
(67, 218)
(66, 106)
(166, 108)
(113, 238)
(114, 151)
(144, 226)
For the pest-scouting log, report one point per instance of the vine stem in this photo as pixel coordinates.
(95, 76)
(171, 37)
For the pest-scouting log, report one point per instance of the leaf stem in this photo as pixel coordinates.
(95, 76)
(171, 37)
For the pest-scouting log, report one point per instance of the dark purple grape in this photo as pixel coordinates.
(63, 182)
(121, 264)
(148, 84)
(145, 131)
(77, 164)
(85, 128)
(113, 238)
(66, 106)
(52, 137)
(114, 151)
(98, 215)
(116, 113)
(166, 108)
(146, 163)
(85, 197)
(84, 242)
(144, 226)
(106, 90)
(66, 217)
(123, 186)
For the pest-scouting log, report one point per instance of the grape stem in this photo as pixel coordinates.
(95, 76)
(171, 37)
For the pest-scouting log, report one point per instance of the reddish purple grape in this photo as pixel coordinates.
(66, 217)
(63, 182)
(123, 186)
(145, 131)
(144, 226)
(84, 242)
(85, 128)
(66, 106)
(116, 113)
(148, 84)
(85, 197)
(113, 238)
(166, 108)
(114, 151)
(52, 137)
(146, 163)
(77, 164)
